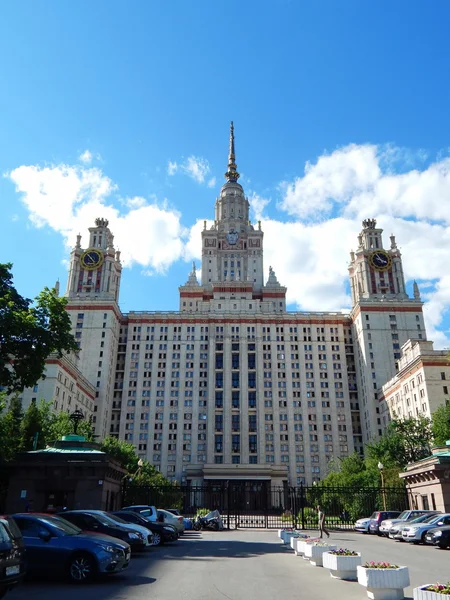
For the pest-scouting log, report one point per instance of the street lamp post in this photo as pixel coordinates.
(383, 491)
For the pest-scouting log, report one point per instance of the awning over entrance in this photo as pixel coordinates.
(276, 474)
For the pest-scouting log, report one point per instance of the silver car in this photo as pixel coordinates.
(362, 525)
(416, 533)
(406, 515)
(395, 532)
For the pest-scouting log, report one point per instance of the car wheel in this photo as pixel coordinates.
(422, 539)
(81, 568)
(442, 546)
(157, 539)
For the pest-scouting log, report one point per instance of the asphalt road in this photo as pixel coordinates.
(203, 566)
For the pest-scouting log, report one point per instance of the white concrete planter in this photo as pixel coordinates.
(315, 553)
(294, 540)
(421, 593)
(284, 535)
(299, 546)
(287, 537)
(384, 584)
(342, 567)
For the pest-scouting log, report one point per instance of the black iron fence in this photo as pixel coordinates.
(250, 504)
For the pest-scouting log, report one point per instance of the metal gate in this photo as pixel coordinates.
(256, 504)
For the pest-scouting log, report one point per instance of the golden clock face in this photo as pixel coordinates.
(380, 260)
(92, 259)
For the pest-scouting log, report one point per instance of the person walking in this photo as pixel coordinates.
(321, 516)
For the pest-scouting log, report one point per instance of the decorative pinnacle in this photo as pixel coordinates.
(232, 175)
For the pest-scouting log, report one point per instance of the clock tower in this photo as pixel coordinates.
(92, 296)
(383, 316)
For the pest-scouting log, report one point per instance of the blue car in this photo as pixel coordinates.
(55, 547)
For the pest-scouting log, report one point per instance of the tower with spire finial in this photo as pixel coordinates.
(232, 256)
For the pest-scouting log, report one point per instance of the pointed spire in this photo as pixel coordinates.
(416, 291)
(232, 175)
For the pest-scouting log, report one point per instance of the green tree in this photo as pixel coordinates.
(31, 428)
(29, 333)
(441, 425)
(405, 441)
(59, 425)
(11, 428)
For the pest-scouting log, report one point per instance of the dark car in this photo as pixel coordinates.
(97, 523)
(55, 547)
(438, 536)
(378, 517)
(161, 533)
(12, 555)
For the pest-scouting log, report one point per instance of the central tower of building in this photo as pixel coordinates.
(232, 258)
(232, 250)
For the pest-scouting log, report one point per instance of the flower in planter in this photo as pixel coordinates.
(439, 588)
(379, 565)
(323, 544)
(343, 552)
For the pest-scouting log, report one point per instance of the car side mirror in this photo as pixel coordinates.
(45, 535)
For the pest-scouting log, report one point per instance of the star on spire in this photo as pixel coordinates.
(232, 175)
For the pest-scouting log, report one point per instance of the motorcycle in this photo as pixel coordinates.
(211, 521)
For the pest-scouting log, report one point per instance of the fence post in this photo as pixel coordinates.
(302, 505)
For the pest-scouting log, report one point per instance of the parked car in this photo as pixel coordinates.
(378, 517)
(406, 515)
(416, 533)
(161, 533)
(96, 522)
(439, 536)
(169, 519)
(12, 555)
(362, 525)
(55, 547)
(395, 532)
(144, 531)
(149, 512)
(188, 524)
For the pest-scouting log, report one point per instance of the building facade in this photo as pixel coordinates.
(64, 385)
(421, 384)
(233, 384)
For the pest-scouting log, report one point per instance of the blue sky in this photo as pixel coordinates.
(122, 109)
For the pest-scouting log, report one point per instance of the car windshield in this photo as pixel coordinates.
(433, 519)
(103, 519)
(146, 512)
(403, 515)
(116, 518)
(423, 519)
(61, 525)
(374, 515)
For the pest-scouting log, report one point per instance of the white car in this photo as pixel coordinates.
(406, 515)
(164, 516)
(362, 525)
(416, 533)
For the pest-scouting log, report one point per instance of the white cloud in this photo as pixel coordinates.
(69, 198)
(86, 157)
(195, 167)
(257, 205)
(172, 168)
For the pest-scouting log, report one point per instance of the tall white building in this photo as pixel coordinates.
(233, 385)
(421, 384)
